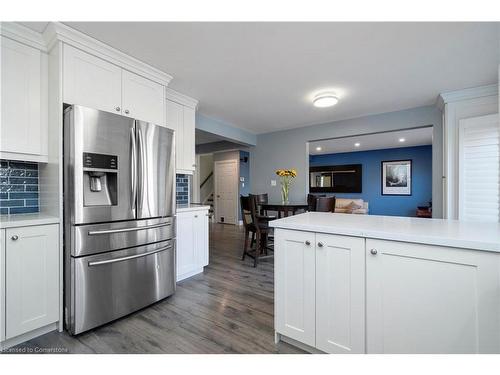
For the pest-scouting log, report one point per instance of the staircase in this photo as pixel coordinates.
(210, 201)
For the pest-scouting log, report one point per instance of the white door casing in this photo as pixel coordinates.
(226, 176)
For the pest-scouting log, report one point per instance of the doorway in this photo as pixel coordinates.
(226, 176)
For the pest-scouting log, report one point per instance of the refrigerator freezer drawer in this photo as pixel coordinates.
(99, 238)
(109, 286)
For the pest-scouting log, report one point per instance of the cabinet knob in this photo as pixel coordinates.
(373, 251)
(308, 243)
(127, 112)
(15, 237)
(195, 215)
(320, 244)
(117, 109)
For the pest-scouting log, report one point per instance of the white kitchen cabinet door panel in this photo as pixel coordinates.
(340, 294)
(189, 157)
(430, 299)
(295, 285)
(90, 81)
(32, 278)
(22, 123)
(2, 285)
(186, 249)
(175, 119)
(142, 98)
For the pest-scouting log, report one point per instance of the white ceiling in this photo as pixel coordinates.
(379, 141)
(261, 76)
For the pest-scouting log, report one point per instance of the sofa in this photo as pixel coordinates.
(343, 205)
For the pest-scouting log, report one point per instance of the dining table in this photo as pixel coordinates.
(284, 209)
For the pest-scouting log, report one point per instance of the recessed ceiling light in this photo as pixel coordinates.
(318, 148)
(357, 144)
(325, 100)
(402, 139)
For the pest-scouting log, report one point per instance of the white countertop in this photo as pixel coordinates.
(191, 207)
(25, 220)
(453, 233)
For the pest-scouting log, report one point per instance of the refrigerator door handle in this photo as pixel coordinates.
(141, 181)
(133, 168)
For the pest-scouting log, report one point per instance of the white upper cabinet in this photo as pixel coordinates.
(91, 81)
(142, 98)
(181, 113)
(24, 123)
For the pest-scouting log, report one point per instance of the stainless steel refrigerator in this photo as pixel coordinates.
(119, 223)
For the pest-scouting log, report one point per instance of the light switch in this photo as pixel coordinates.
(273, 182)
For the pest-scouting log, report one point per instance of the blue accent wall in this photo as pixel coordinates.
(379, 204)
(18, 187)
(182, 188)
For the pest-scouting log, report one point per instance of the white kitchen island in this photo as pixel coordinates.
(378, 284)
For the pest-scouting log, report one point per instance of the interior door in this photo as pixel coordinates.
(155, 171)
(226, 191)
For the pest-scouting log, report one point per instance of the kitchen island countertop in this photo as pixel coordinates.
(441, 232)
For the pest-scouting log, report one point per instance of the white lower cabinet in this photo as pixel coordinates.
(191, 243)
(31, 266)
(320, 290)
(431, 299)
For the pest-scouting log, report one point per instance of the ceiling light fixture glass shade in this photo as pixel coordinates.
(325, 100)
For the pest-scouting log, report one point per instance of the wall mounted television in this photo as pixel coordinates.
(336, 179)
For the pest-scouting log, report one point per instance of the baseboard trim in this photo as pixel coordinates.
(26, 337)
(298, 344)
(189, 274)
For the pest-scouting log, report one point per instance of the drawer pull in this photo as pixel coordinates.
(15, 237)
(373, 251)
(308, 243)
(111, 231)
(320, 244)
(108, 261)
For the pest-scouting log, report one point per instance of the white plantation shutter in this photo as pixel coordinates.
(479, 169)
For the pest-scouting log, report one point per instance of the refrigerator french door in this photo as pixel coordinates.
(119, 232)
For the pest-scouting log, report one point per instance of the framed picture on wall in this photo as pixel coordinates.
(396, 177)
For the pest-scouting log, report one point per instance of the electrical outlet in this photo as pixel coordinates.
(273, 182)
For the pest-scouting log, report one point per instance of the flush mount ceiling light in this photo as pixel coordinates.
(357, 144)
(402, 140)
(325, 100)
(319, 148)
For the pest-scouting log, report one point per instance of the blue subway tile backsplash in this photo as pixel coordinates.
(18, 187)
(182, 189)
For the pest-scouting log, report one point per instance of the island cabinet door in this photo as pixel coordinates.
(340, 294)
(431, 299)
(294, 285)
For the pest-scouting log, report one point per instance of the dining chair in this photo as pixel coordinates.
(325, 204)
(260, 200)
(311, 201)
(258, 226)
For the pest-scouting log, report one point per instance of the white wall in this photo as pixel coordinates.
(289, 149)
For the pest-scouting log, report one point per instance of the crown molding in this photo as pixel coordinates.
(181, 98)
(23, 34)
(56, 31)
(466, 94)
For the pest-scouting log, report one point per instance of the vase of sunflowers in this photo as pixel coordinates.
(286, 176)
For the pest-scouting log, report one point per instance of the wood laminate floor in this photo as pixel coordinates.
(227, 309)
